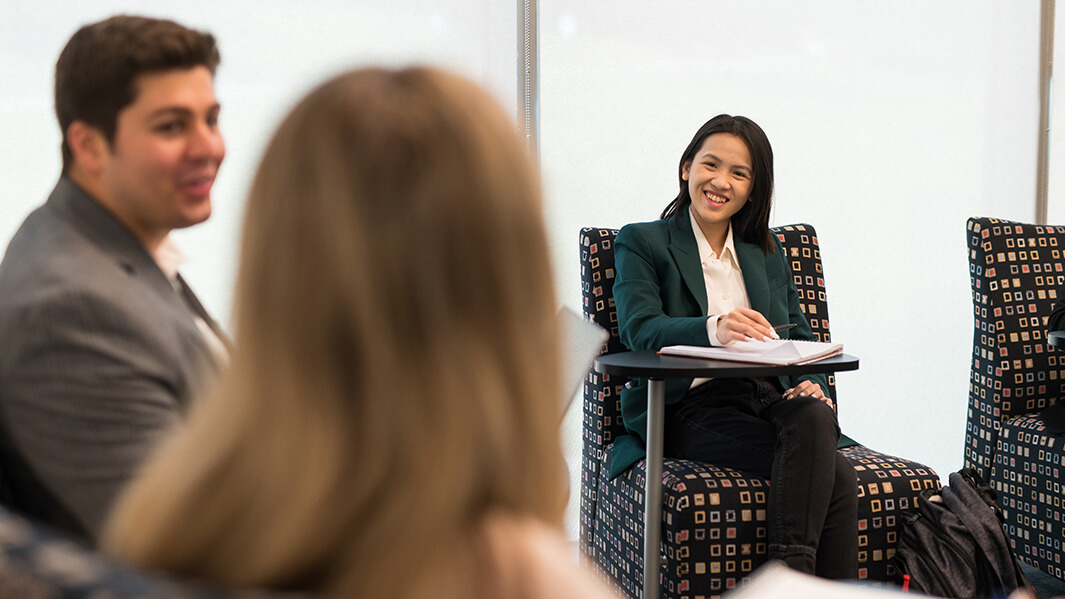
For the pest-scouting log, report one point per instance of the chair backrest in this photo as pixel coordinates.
(1016, 271)
(37, 562)
(602, 394)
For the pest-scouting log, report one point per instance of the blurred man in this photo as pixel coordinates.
(104, 344)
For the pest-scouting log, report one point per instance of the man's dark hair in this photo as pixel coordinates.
(96, 73)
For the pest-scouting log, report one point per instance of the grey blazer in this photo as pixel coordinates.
(99, 356)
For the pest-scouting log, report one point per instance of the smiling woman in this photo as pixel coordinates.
(710, 273)
(719, 184)
(746, 163)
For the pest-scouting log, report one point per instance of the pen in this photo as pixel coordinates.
(779, 327)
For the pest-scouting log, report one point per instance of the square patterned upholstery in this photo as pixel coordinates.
(1016, 271)
(37, 562)
(714, 519)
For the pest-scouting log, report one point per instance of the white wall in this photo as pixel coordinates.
(891, 124)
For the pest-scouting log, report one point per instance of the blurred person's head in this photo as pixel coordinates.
(396, 374)
(135, 101)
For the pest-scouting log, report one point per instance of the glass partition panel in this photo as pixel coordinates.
(1056, 170)
(891, 124)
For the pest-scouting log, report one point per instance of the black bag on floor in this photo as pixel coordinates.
(954, 545)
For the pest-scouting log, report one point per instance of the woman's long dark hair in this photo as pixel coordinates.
(751, 223)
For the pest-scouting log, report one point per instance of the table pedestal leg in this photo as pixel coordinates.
(652, 507)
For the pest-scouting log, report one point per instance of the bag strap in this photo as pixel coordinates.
(984, 490)
(962, 498)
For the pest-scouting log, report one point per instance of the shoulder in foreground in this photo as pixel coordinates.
(46, 249)
(646, 227)
(537, 559)
(653, 231)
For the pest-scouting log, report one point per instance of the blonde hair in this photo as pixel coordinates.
(396, 381)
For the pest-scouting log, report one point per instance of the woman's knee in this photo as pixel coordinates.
(811, 415)
(846, 483)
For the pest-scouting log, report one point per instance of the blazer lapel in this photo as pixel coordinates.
(104, 231)
(752, 263)
(195, 305)
(685, 252)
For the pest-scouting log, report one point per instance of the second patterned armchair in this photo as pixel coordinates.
(1016, 270)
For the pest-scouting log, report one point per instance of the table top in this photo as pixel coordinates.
(1056, 338)
(650, 364)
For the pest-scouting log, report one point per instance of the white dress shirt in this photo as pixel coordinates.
(169, 257)
(725, 290)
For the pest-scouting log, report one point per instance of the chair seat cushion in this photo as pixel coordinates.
(1027, 476)
(714, 521)
(887, 487)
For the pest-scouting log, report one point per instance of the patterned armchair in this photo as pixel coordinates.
(1016, 271)
(38, 563)
(714, 519)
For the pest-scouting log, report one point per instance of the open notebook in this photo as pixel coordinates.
(582, 340)
(781, 352)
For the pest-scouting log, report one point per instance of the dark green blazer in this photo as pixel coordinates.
(661, 300)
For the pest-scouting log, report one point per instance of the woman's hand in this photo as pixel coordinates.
(809, 389)
(743, 324)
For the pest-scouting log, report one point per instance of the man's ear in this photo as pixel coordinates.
(88, 146)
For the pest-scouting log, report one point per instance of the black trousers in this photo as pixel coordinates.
(745, 424)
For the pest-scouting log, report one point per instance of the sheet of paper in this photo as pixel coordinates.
(780, 352)
(582, 340)
(776, 581)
